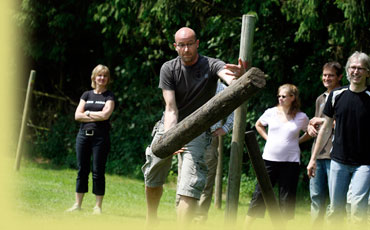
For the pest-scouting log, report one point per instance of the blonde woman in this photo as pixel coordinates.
(93, 111)
(281, 154)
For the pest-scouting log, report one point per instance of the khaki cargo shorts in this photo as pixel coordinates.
(193, 175)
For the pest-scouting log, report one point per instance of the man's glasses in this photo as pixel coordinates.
(359, 69)
(182, 46)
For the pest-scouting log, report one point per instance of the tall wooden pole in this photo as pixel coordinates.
(237, 144)
(31, 82)
(218, 179)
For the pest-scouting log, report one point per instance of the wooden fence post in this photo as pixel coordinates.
(27, 102)
(263, 180)
(237, 144)
(218, 180)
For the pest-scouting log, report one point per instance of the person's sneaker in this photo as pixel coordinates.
(97, 210)
(74, 208)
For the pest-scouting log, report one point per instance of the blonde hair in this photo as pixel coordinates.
(99, 69)
(296, 104)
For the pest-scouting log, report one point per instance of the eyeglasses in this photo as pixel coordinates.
(182, 46)
(283, 96)
(359, 69)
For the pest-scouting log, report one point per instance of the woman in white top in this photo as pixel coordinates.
(281, 153)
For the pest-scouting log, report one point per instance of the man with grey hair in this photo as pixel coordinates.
(350, 158)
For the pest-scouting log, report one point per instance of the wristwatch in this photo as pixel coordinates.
(87, 112)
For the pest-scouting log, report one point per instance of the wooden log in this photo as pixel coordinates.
(217, 108)
(263, 179)
(237, 142)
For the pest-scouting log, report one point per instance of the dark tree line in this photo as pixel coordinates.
(66, 39)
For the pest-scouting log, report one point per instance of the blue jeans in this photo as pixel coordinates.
(341, 175)
(319, 190)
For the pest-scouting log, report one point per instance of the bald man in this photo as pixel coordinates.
(187, 82)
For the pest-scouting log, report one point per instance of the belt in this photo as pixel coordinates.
(89, 132)
(94, 132)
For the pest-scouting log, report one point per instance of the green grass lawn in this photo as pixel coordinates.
(44, 193)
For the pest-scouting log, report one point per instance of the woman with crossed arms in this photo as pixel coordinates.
(93, 111)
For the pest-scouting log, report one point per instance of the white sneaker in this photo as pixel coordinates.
(74, 208)
(97, 210)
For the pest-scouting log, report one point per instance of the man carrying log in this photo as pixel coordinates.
(187, 82)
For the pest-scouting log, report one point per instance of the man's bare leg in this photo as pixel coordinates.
(186, 209)
(153, 196)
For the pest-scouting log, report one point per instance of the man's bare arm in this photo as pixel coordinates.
(324, 134)
(171, 113)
